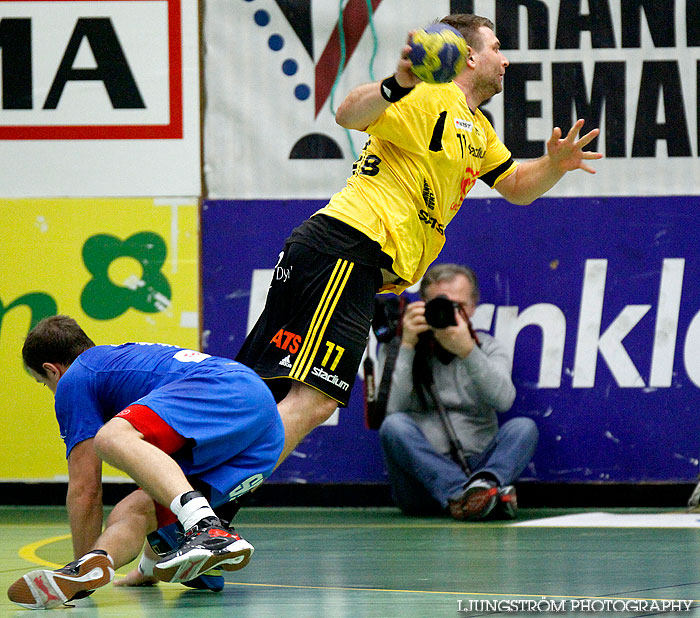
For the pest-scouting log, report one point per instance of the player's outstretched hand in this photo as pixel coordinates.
(568, 153)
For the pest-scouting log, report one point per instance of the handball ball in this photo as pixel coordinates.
(438, 53)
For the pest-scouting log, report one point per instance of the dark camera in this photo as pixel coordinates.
(387, 315)
(440, 312)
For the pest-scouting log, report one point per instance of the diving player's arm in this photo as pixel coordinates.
(84, 497)
(533, 179)
(365, 103)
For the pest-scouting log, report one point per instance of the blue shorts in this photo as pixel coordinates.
(230, 419)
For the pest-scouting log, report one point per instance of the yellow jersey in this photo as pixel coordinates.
(424, 154)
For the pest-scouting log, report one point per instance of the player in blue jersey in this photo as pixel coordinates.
(193, 430)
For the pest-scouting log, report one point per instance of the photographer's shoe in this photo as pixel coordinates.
(507, 505)
(476, 502)
(205, 546)
(694, 500)
(44, 589)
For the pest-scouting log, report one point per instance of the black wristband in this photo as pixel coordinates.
(391, 91)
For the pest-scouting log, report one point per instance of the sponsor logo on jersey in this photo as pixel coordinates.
(190, 356)
(286, 362)
(464, 125)
(330, 378)
(425, 217)
(428, 195)
(478, 153)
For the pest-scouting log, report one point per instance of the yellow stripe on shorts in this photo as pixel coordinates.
(329, 299)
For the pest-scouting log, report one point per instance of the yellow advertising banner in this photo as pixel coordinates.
(125, 269)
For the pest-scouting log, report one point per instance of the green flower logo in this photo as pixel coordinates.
(150, 292)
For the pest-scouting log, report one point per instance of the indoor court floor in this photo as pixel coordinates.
(356, 563)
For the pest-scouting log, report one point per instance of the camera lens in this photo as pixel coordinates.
(440, 312)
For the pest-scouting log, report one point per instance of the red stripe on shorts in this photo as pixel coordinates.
(161, 435)
(154, 429)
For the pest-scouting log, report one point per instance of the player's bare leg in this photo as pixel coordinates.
(303, 409)
(121, 445)
(207, 543)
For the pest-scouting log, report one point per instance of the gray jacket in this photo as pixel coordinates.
(472, 390)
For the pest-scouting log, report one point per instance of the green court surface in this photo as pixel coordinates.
(357, 563)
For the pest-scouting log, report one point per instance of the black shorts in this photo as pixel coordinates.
(315, 324)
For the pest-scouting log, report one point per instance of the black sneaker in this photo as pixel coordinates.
(165, 540)
(43, 589)
(476, 502)
(206, 545)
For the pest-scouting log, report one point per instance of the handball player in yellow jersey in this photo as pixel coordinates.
(428, 145)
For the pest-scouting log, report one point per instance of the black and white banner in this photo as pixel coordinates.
(276, 70)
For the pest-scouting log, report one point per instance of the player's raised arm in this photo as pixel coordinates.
(365, 103)
(532, 179)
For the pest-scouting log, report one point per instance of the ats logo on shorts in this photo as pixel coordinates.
(285, 340)
(91, 69)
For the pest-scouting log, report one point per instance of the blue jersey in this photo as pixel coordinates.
(221, 406)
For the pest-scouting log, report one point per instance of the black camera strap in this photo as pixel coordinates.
(424, 385)
(388, 331)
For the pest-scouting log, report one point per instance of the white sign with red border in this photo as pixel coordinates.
(99, 98)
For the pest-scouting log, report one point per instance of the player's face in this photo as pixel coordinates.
(50, 380)
(490, 63)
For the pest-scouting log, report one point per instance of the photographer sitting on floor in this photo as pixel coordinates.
(447, 380)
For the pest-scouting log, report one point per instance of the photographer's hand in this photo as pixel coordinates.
(456, 339)
(413, 324)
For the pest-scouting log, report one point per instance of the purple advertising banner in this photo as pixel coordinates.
(598, 301)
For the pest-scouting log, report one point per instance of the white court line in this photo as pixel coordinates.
(616, 520)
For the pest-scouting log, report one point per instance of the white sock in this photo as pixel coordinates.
(146, 565)
(193, 511)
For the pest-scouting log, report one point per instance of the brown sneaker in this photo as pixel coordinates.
(43, 589)
(476, 502)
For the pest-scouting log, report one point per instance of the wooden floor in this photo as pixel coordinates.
(358, 563)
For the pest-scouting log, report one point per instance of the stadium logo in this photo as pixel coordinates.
(91, 69)
(330, 378)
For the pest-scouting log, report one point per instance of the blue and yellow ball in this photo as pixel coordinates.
(438, 53)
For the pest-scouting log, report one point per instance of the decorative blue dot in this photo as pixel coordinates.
(302, 92)
(262, 18)
(290, 67)
(276, 42)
